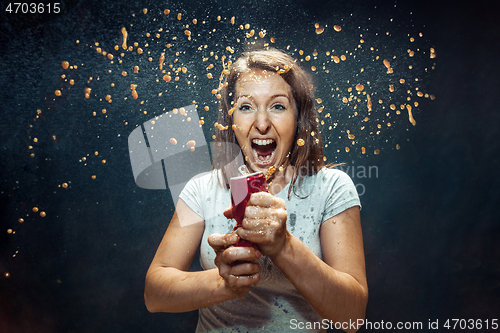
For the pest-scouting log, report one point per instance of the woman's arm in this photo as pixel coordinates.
(171, 288)
(336, 287)
(169, 285)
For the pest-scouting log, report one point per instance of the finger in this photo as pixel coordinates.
(221, 241)
(255, 236)
(244, 268)
(223, 267)
(259, 224)
(240, 283)
(233, 254)
(261, 237)
(265, 199)
(258, 212)
(240, 276)
(228, 212)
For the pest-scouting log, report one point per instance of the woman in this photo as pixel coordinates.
(308, 268)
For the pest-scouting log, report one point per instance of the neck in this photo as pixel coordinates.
(280, 180)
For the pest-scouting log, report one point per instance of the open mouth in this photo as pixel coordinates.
(263, 150)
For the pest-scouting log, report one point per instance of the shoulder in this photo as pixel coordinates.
(332, 175)
(325, 181)
(338, 190)
(333, 182)
(203, 181)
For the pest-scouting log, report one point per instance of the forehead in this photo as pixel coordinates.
(263, 83)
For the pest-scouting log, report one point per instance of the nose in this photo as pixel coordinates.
(262, 122)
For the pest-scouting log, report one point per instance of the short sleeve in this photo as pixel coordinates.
(193, 193)
(342, 193)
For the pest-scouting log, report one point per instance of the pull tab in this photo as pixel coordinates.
(243, 170)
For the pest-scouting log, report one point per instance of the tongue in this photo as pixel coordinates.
(264, 150)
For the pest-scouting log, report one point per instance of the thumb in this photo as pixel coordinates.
(228, 212)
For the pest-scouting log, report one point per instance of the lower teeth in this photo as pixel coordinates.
(264, 159)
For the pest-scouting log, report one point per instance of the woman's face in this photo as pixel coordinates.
(265, 118)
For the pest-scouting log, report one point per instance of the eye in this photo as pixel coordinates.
(279, 107)
(245, 107)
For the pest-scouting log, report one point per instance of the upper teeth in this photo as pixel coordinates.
(262, 142)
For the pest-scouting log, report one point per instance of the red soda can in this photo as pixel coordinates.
(241, 189)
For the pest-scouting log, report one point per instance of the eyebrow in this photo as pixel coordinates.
(272, 97)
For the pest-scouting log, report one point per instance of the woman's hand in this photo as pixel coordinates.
(237, 265)
(265, 223)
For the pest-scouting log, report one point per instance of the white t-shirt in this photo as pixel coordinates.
(274, 303)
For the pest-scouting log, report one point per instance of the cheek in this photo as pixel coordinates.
(242, 125)
(240, 133)
(237, 120)
(240, 139)
(290, 129)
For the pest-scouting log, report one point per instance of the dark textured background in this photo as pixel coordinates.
(429, 219)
